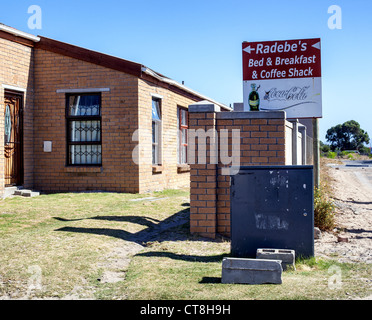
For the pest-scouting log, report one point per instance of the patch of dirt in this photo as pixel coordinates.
(352, 192)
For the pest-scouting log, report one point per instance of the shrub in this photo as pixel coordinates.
(325, 148)
(364, 150)
(331, 155)
(324, 215)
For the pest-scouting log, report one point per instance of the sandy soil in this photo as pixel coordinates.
(352, 188)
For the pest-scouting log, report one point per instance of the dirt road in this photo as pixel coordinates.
(352, 186)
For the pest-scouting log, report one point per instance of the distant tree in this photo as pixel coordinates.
(347, 136)
(324, 147)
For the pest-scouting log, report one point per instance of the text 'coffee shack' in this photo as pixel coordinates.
(283, 75)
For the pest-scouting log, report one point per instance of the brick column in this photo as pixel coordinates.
(262, 142)
(203, 176)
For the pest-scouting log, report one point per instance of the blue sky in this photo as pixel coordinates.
(199, 42)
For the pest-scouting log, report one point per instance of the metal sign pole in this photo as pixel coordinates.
(316, 152)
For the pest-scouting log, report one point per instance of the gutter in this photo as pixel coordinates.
(19, 33)
(181, 86)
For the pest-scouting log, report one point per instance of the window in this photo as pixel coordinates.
(83, 124)
(183, 125)
(156, 131)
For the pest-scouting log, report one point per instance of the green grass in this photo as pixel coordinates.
(69, 235)
(192, 270)
(76, 238)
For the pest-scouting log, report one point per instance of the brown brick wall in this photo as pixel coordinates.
(119, 120)
(203, 182)
(125, 108)
(168, 177)
(16, 69)
(262, 142)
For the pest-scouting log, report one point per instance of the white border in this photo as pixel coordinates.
(14, 88)
(83, 90)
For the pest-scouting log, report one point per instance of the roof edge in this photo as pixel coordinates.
(118, 64)
(18, 33)
(169, 81)
(88, 55)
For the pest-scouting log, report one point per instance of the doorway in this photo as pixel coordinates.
(13, 139)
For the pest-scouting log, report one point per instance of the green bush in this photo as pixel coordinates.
(331, 155)
(324, 216)
(325, 148)
(364, 150)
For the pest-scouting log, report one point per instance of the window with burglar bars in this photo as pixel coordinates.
(183, 126)
(83, 124)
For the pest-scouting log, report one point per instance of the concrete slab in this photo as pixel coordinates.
(26, 193)
(9, 191)
(251, 271)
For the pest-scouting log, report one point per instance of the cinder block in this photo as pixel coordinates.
(285, 255)
(251, 271)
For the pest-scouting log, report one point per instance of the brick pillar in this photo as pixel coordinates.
(203, 174)
(261, 142)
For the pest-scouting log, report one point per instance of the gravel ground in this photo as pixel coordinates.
(352, 188)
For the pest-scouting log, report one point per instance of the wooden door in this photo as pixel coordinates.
(13, 139)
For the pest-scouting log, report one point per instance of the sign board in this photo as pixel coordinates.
(283, 75)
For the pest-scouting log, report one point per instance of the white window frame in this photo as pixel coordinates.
(181, 126)
(157, 140)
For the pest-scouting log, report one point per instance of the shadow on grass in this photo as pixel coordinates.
(184, 257)
(175, 227)
(210, 280)
(145, 221)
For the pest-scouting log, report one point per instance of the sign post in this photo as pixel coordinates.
(316, 153)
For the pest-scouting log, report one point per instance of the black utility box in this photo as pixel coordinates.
(272, 207)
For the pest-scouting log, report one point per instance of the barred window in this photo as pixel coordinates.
(83, 118)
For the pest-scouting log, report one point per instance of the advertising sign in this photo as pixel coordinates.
(283, 75)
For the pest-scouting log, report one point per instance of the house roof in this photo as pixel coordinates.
(18, 36)
(104, 60)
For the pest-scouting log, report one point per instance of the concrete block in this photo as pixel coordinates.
(251, 271)
(9, 191)
(26, 193)
(204, 106)
(31, 194)
(285, 255)
(251, 115)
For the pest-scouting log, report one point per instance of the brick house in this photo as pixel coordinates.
(75, 120)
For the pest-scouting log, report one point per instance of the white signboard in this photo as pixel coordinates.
(283, 75)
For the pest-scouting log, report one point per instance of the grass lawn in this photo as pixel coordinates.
(191, 269)
(97, 246)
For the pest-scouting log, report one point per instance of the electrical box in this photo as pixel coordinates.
(272, 207)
